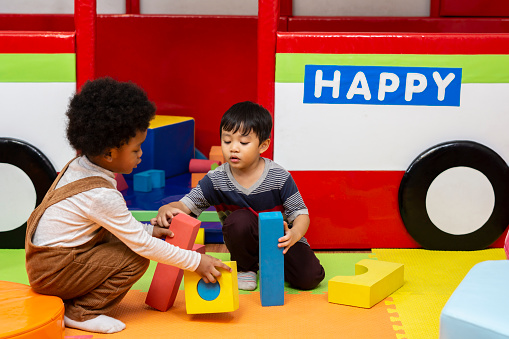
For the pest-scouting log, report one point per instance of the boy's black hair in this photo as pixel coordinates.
(245, 117)
(105, 114)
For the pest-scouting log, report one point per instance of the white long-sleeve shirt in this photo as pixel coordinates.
(74, 221)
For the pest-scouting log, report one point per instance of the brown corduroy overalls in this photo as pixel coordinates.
(91, 278)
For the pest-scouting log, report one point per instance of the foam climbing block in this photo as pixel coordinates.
(166, 281)
(199, 248)
(202, 165)
(216, 154)
(121, 183)
(142, 182)
(222, 296)
(373, 281)
(169, 146)
(157, 177)
(272, 272)
(196, 177)
(25, 314)
(478, 306)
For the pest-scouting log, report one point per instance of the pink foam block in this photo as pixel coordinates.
(202, 165)
(199, 248)
(121, 183)
(166, 281)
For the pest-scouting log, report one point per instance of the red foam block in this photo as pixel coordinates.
(201, 165)
(199, 248)
(166, 281)
(121, 183)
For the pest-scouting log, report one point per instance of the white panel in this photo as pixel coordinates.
(35, 113)
(460, 200)
(403, 8)
(369, 137)
(205, 7)
(111, 6)
(17, 197)
(58, 6)
(229, 7)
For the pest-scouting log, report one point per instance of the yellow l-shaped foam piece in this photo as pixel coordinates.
(373, 281)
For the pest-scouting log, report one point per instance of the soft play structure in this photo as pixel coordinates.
(392, 127)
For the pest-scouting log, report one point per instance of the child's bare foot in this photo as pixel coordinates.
(101, 324)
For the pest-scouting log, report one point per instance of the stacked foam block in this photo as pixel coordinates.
(199, 167)
(169, 146)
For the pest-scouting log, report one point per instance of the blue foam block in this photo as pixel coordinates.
(169, 146)
(272, 272)
(142, 182)
(199, 155)
(478, 306)
(213, 232)
(157, 176)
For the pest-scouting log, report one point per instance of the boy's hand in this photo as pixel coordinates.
(207, 268)
(290, 238)
(160, 232)
(164, 216)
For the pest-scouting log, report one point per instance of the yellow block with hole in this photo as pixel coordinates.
(374, 280)
(224, 298)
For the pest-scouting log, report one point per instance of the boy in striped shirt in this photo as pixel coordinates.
(244, 186)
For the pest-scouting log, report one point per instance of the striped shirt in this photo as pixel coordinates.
(274, 191)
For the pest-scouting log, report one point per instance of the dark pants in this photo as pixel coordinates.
(240, 231)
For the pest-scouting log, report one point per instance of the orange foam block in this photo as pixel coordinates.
(196, 177)
(166, 281)
(216, 154)
(25, 314)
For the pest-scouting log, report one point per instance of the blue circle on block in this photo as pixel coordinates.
(208, 291)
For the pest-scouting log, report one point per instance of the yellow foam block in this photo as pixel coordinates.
(373, 281)
(164, 120)
(200, 237)
(223, 298)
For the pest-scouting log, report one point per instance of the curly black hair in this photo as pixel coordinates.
(245, 117)
(105, 114)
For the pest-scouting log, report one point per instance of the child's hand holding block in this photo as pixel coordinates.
(222, 296)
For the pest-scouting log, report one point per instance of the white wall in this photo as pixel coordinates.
(57, 6)
(230, 7)
(361, 7)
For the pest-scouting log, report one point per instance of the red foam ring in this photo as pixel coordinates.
(201, 165)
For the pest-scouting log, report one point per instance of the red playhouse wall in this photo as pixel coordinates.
(196, 66)
(189, 66)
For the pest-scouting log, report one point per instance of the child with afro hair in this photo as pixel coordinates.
(82, 244)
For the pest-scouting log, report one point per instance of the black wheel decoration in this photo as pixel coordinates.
(431, 163)
(40, 171)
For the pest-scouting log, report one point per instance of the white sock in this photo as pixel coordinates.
(247, 280)
(101, 324)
